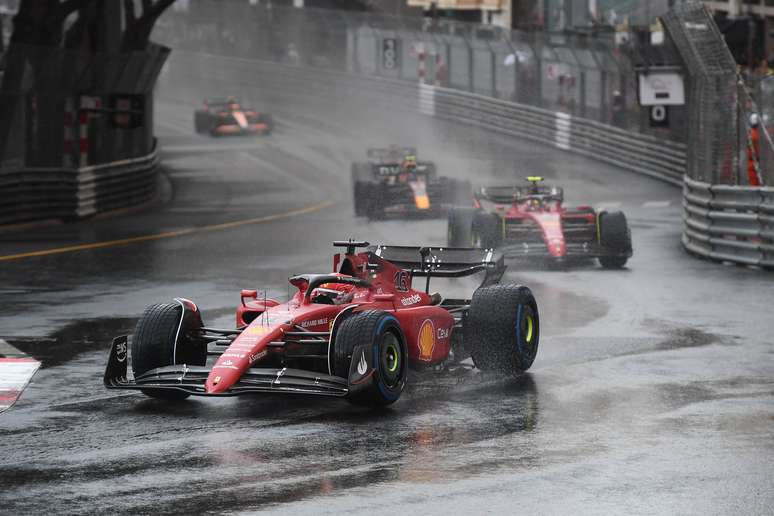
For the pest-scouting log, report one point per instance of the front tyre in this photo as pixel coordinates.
(379, 334)
(164, 337)
(502, 330)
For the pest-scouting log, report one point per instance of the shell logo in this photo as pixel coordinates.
(426, 340)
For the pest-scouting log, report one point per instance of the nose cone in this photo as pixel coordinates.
(557, 248)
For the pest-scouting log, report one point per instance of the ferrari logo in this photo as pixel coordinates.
(426, 340)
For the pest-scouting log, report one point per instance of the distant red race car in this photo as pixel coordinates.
(531, 221)
(353, 333)
(227, 115)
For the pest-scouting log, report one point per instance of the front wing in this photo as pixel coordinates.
(511, 249)
(191, 379)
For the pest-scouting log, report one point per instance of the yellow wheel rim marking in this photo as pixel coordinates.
(530, 327)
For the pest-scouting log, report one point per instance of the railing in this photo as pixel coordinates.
(59, 193)
(729, 223)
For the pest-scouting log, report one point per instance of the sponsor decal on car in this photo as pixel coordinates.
(443, 333)
(257, 330)
(426, 340)
(121, 351)
(233, 355)
(411, 300)
(314, 322)
(257, 356)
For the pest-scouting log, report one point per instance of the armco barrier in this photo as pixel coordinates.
(729, 223)
(49, 193)
(638, 153)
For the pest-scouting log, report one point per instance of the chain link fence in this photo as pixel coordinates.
(585, 75)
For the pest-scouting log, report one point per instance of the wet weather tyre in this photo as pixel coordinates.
(360, 189)
(502, 329)
(379, 332)
(614, 237)
(200, 123)
(460, 227)
(487, 230)
(153, 344)
(267, 119)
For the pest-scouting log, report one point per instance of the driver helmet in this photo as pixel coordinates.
(334, 293)
(409, 163)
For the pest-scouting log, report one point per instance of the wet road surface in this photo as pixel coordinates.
(652, 392)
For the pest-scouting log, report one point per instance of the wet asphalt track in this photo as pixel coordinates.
(652, 392)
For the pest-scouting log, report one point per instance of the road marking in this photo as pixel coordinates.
(656, 204)
(169, 234)
(16, 371)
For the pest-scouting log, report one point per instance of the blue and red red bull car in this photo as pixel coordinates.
(352, 333)
(393, 183)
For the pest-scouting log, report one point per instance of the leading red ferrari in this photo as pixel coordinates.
(352, 333)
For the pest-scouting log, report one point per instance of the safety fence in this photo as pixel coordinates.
(729, 223)
(32, 194)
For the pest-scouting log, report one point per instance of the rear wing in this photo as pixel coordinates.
(509, 194)
(392, 169)
(445, 262)
(390, 154)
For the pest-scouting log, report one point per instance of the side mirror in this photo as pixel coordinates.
(248, 294)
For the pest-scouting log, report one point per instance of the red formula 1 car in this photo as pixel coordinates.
(353, 333)
(224, 116)
(393, 183)
(531, 221)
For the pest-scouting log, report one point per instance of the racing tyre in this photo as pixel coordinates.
(614, 236)
(502, 330)
(374, 205)
(153, 344)
(380, 332)
(200, 123)
(487, 231)
(360, 186)
(460, 227)
(267, 119)
(461, 192)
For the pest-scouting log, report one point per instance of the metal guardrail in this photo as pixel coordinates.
(729, 223)
(59, 193)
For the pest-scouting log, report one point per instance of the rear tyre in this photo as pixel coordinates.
(487, 230)
(200, 124)
(460, 227)
(374, 204)
(267, 119)
(380, 332)
(153, 344)
(360, 185)
(614, 237)
(502, 329)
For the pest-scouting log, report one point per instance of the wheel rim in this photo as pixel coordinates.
(527, 330)
(392, 359)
